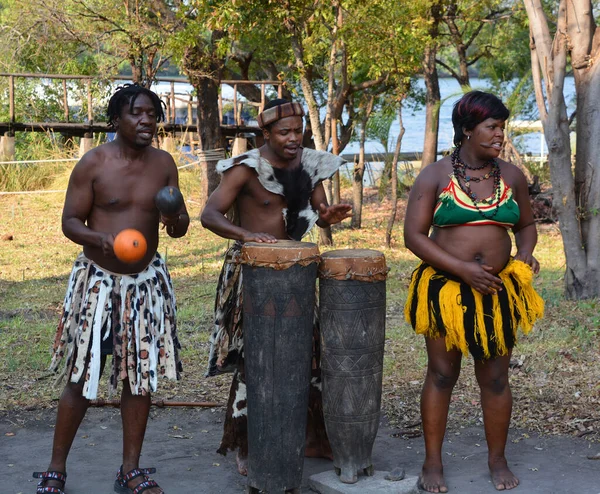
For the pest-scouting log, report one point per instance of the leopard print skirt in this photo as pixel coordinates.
(135, 311)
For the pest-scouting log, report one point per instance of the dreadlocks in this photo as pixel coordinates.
(127, 94)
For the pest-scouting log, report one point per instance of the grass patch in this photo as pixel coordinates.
(556, 373)
(36, 176)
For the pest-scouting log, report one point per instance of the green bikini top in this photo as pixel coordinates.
(455, 208)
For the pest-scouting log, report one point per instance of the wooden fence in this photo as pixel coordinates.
(173, 101)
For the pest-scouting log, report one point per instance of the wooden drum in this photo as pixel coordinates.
(279, 303)
(352, 317)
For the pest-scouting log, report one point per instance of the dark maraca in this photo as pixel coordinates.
(168, 200)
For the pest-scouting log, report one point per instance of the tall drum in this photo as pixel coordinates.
(279, 304)
(352, 318)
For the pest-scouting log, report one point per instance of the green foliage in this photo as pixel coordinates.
(383, 38)
(539, 168)
(507, 40)
(85, 37)
(406, 177)
(379, 124)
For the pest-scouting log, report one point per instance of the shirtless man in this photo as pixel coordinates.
(277, 193)
(113, 307)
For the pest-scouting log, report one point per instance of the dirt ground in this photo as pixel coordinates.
(181, 444)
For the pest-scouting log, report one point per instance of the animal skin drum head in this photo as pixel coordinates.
(281, 255)
(353, 264)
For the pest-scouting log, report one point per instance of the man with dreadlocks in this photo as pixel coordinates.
(277, 193)
(127, 309)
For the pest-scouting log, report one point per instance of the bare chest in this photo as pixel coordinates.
(256, 197)
(121, 189)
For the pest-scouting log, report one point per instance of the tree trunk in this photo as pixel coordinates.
(432, 106)
(328, 126)
(510, 153)
(307, 91)
(204, 72)
(325, 233)
(394, 191)
(576, 197)
(136, 71)
(209, 134)
(357, 188)
(432, 96)
(335, 149)
(359, 168)
(587, 178)
(313, 113)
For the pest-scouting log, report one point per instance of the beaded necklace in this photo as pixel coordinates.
(459, 168)
(456, 156)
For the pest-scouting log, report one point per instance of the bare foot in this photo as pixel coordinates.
(242, 463)
(502, 478)
(432, 479)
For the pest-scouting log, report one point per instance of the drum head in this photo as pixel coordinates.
(280, 255)
(353, 264)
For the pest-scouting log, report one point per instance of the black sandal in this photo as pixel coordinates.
(50, 475)
(121, 480)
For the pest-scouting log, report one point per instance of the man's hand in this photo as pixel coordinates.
(169, 219)
(334, 214)
(259, 237)
(527, 258)
(107, 243)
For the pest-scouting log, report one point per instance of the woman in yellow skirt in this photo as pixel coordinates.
(469, 295)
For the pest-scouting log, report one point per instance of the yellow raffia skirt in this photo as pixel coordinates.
(442, 305)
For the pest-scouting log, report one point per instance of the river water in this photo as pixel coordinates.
(414, 121)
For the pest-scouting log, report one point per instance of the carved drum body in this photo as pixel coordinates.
(352, 318)
(279, 303)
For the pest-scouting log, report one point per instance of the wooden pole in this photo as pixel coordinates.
(190, 122)
(65, 100)
(262, 98)
(220, 104)
(173, 109)
(11, 98)
(90, 102)
(235, 108)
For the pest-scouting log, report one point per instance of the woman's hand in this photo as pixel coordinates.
(479, 277)
(527, 258)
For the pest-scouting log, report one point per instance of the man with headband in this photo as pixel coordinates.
(276, 192)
